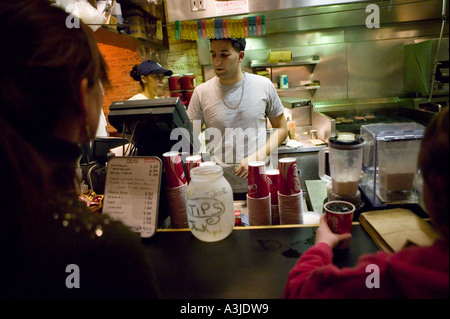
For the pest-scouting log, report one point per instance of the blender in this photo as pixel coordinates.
(345, 161)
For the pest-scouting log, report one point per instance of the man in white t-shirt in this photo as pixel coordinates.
(234, 106)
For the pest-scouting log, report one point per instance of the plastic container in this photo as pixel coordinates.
(209, 204)
(390, 162)
(283, 82)
(174, 83)
(188, 81)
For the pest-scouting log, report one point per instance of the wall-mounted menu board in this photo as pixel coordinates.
(132, 192)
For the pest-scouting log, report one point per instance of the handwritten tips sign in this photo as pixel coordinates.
(132, 192)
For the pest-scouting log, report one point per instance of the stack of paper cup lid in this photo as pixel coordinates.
(176, 186)
(290, 196)
(273, 179)
(258, 195)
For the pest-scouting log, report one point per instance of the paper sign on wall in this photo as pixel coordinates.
(132, 192)
(231, 7)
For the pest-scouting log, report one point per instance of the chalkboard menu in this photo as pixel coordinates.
(132, 192)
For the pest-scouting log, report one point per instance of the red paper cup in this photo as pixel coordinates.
(289, 180)
(273, 179)
(339, 215)
(290, 208)
(259, 211)
(191, 162)
(176, 201)
(257, 181)
(174, 169)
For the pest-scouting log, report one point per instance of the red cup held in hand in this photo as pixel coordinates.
(257, 181)
(339, 215)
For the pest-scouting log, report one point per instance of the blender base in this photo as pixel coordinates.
(355, 199)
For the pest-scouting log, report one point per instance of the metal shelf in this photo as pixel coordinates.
(299, 88)
(296, 61)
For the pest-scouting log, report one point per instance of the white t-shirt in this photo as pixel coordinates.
(138, 96)
(241, 131)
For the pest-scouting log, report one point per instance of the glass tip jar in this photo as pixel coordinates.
(209, 204)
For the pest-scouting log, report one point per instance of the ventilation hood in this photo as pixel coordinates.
(301, 15)
(202, 9)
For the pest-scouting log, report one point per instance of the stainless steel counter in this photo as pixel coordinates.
(306, 147)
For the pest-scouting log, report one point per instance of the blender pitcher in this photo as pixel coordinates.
(345, 160)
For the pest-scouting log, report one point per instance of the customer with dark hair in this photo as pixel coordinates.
(150, 75)
(414, 272)
(51, 94)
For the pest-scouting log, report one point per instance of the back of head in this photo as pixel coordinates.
(44, 58)
(42, 64)
(434, 165)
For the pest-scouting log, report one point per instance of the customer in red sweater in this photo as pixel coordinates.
(414, 272)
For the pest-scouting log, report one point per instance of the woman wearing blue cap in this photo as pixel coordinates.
(150, 75)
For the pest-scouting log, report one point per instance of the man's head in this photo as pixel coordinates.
(226, 57)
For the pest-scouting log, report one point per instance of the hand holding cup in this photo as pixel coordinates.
(325, 235)
(339, 217)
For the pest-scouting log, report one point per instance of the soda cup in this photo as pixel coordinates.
(273, 179)
(191, 162)
(339, 215)
(289, 179)
(173, 168)
(257, 181)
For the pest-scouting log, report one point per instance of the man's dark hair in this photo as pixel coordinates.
(237, 43)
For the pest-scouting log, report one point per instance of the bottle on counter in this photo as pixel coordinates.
(209, 204)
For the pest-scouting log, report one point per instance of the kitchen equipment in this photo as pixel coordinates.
(280, 56)
(331, 117)
(420, 65)
(390, 162)
(345, 161)
(294, 102)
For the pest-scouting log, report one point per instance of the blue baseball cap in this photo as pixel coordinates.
(152, 67)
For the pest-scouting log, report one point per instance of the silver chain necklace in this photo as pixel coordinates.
(223, 99)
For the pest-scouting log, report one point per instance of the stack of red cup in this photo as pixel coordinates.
(258, 195)
(273, 179)
(191, 162)
(290, 196)
(176, 186)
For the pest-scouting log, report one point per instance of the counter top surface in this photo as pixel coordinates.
(253, 262)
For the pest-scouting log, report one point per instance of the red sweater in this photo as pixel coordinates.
(415, 272)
